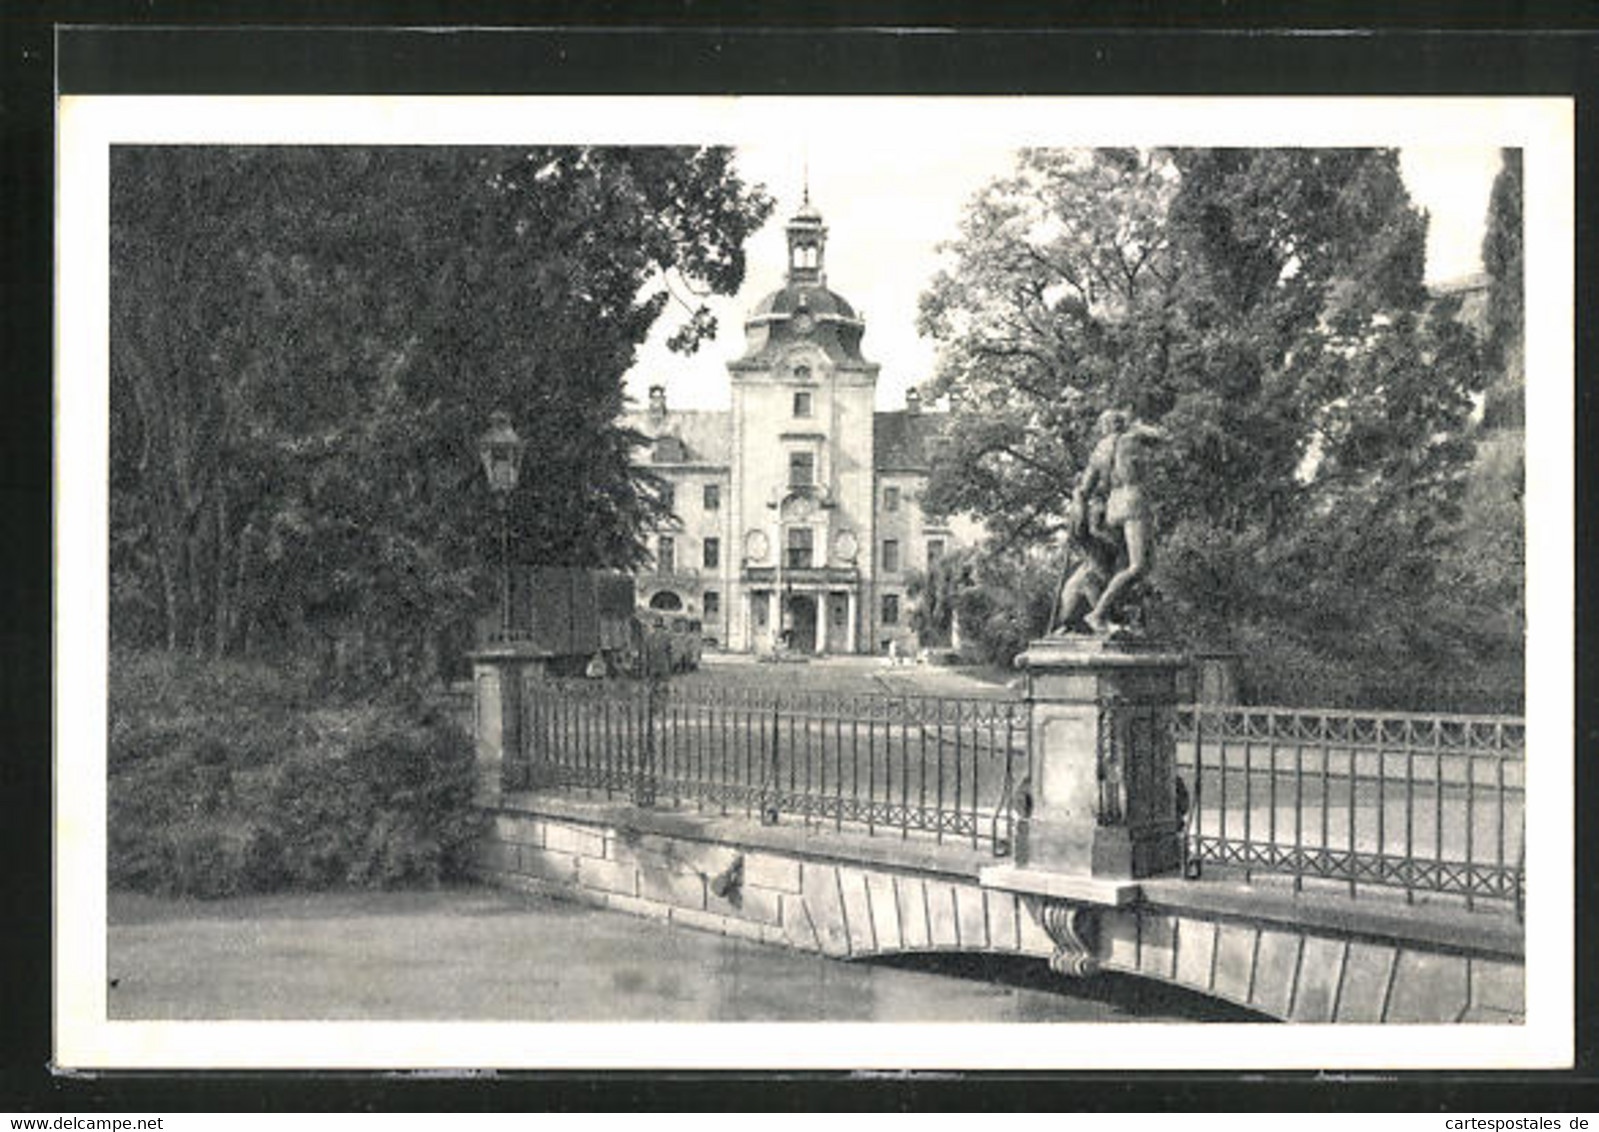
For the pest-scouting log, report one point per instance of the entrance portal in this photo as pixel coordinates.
(838, 622)
(802, 623)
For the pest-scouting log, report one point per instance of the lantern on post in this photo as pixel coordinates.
(501, 451)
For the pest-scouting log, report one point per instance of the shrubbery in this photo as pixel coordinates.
(232, 778)
(1297, 646)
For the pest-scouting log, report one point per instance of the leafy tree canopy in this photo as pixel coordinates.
(307, 341)
(1266, 307)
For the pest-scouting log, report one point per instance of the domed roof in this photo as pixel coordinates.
(804, 312)
(803, 308)
(818, 300)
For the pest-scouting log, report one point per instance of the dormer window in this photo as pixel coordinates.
(670, 450)
(802, 402)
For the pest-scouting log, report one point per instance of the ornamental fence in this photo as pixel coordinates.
(937, 767)
(1408, 803)
(1417, 803)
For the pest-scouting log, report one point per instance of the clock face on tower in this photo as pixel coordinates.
(755, 546)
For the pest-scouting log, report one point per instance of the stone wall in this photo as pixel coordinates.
(815, 905)
(854, 908)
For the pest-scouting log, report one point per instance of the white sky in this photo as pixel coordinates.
(887, 209)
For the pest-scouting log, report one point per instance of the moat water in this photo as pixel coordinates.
(480, 954)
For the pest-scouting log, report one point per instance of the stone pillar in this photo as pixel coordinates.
(823, 607)
(500, 676)
(1216, 676)
(1104, 760)
(849, 621)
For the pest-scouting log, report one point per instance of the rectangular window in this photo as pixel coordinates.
(801, 469)
(669, 496)
(799, 548)
(713, 496)
(758, 608)
(935, 551)
(665, 554)
(713, 604)
(891, 499)
(890, 555)
(891, 609)
(802, 403)
(713, 553)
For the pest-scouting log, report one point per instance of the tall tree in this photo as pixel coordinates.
(1051, 307)
(1267, 308)
(1502, 260)
(306, 341)
(1486, 565)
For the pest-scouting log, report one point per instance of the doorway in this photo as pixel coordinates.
(838, 622)
(802, 623)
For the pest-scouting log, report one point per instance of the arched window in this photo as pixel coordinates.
(666, 602)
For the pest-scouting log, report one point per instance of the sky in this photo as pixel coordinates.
(888, 208)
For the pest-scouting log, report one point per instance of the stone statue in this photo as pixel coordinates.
(1095, 553)
(1114, 479)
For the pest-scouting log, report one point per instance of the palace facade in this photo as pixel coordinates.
(798, 510)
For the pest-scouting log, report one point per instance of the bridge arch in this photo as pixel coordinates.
(1279, 957)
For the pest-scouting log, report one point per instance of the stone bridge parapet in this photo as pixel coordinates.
(1092, 880)
(1303, 959)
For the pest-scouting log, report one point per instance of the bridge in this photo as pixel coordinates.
(1311, 866)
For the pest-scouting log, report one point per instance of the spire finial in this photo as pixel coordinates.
(805, 176)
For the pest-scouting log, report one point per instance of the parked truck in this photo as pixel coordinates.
(571, 615)
(587, 620)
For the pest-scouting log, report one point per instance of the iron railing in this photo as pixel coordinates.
(938, 767)
(1414, 804)
(1418, 803)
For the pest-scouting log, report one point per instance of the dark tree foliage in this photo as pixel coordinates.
(1485, 567)
(1502, 260)
(1266, 308)
(305, 343)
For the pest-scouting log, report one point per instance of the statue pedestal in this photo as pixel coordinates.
(1104, 800)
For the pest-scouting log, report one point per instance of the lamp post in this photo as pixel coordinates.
(501, 451)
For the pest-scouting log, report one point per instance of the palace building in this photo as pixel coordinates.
(797, 511)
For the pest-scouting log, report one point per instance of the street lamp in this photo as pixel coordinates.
(501, 450)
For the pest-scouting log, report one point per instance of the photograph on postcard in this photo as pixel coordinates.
(891, 566)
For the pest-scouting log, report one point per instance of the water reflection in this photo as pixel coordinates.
(481, 954)
(665, 973)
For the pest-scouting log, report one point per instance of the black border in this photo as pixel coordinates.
(164, 46)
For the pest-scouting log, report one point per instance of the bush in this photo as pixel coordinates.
(1306, 634)
(228, 779)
